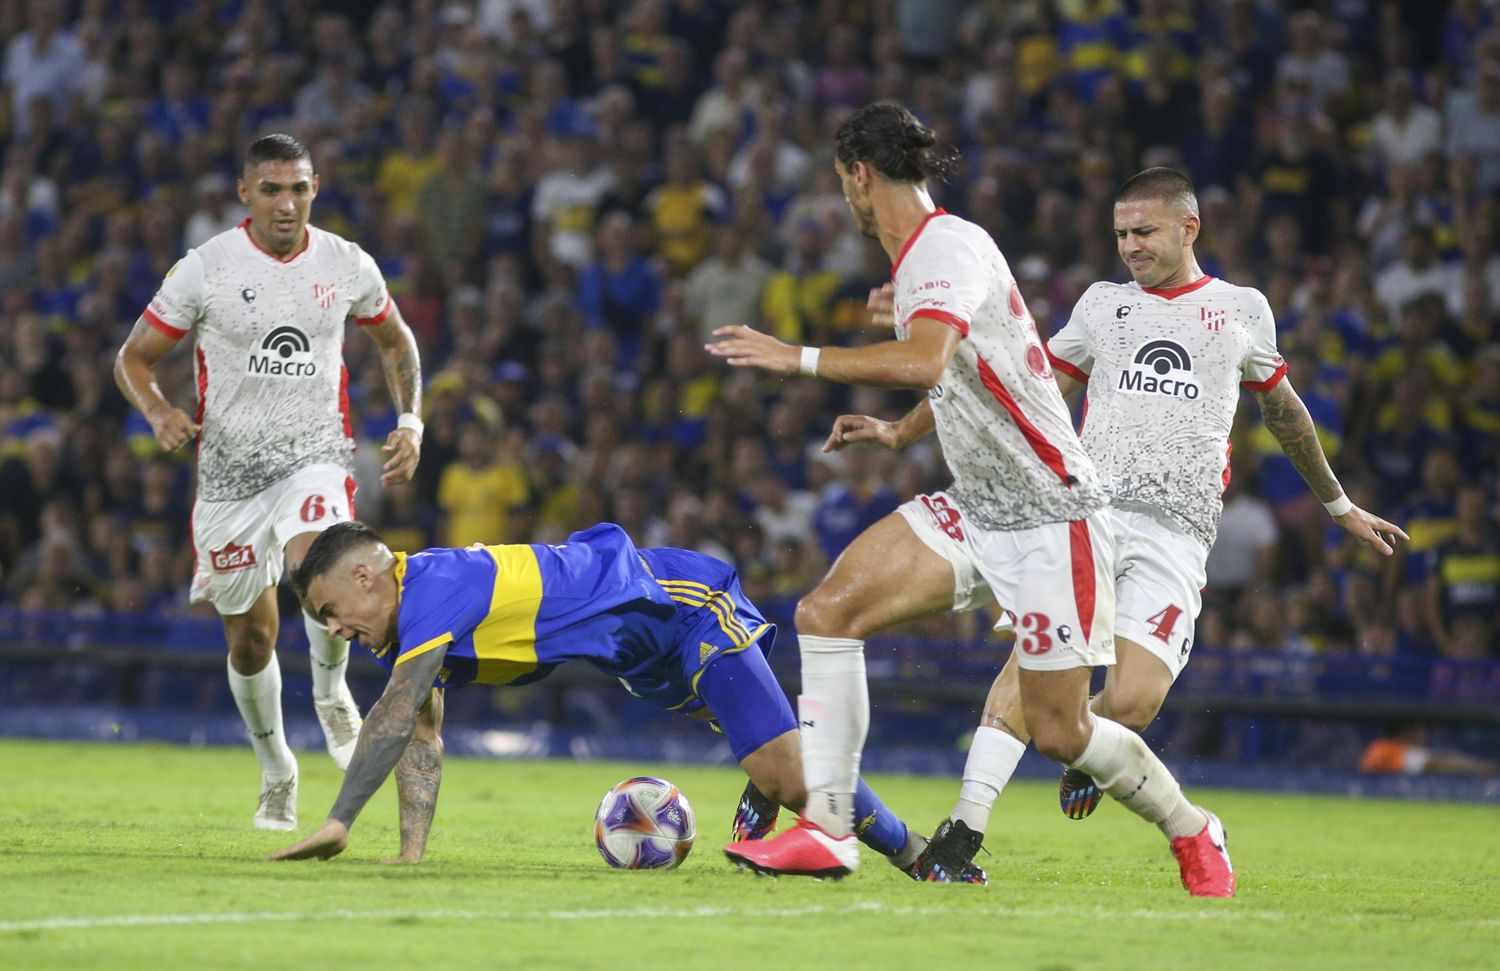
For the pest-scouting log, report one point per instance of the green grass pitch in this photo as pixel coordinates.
(142, 856)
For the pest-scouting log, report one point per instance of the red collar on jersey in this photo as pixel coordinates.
(306, 241)
(1199, 283)
(939, 211)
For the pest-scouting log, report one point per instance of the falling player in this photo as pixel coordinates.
(672, 625)
(1024, 522)
(1164, 358)
(267, 303)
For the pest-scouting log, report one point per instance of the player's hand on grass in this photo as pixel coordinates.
(172, 428)
(852, 429)
(1371, 530)
(405, 449)
(328, 840)
(882, 306)
(743, 347)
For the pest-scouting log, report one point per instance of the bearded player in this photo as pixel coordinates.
(266, 303)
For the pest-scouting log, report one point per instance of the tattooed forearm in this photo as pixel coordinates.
(403, 375)
(1286, 417)
(387, 732)
(418, 776)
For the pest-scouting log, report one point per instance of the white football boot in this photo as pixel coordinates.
(340, 720)
(278, 804)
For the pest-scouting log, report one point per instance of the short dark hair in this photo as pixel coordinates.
(889, 137)
(276, 147)
(1162, 183)
(326, 551)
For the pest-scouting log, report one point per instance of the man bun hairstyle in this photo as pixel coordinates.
(1160, 183)
(889, 137)
(277, 147)
(328, 549)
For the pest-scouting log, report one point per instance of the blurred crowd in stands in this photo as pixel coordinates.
(568, 196)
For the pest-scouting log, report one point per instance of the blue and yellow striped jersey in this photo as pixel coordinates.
(510, 614)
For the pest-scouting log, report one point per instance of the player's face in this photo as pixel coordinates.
(348, 602)
(1150, 235)
(279, 196)
(858, 199)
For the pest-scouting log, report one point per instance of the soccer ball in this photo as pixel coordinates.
(644, 823)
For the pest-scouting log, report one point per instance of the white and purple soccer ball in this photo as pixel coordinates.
(644, 823)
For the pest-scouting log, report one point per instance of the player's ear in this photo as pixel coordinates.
(1190, 227)
(242, 191)
(315, 184)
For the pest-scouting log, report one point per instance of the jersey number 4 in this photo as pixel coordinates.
(1164, 622)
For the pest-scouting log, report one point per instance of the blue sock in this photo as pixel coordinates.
(877, 827)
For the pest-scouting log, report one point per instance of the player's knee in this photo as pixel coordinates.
(250, 649)
(1060, 739)
(1135, 711)
(825, 614)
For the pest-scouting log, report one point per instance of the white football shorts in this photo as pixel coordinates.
(1053, 581)
(240, 543)
(1159, 579)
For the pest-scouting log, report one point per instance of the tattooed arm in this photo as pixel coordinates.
(384, 738)
(419, 774)
(1286, 418)
(403, 377)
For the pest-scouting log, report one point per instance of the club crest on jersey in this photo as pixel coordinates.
(325, 293)
(1213, 319)
(285, 352)
(1160, 367)
(232, 557)
(247, 295)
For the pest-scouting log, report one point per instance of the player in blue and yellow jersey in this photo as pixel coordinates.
(672, 625)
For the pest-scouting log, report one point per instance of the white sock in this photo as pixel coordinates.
(992, 761)
(330, 659)
(915, 844)
(833, 714)
(258, 696)
(1124, 767)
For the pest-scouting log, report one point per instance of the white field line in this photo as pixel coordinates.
(662, 913)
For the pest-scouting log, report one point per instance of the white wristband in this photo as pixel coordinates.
(1339, 506)
(410, 422)
(810, 360)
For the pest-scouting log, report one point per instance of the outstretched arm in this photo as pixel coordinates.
(1286, 417)
(403, 377)
(917, 362)
(387, 731)
(418, 777)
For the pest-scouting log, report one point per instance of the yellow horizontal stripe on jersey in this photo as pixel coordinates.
(505, 641)
(424, 647)
(690, 588)
(722, 609)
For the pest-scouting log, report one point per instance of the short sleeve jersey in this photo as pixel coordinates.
(1164, 370)
(510, 614)
(272, 388)
(1005, 431)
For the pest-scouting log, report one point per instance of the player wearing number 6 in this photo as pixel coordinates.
(1025, 522)
(266, 303)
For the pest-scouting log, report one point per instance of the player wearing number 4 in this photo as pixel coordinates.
(266, 303)
(1164, 359)
(671, 625)
(1025, 521)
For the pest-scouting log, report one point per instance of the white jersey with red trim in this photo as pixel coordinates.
(1164, 371)
(1004, 428)
(272, 388)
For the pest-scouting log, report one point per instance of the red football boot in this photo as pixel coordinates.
(1204, 861)
(805, 850)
